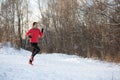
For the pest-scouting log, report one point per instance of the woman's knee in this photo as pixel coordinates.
(39, 49)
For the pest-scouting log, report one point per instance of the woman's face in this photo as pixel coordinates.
(35, 26)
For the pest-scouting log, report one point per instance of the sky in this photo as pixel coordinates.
(35, 15)
(33, 6)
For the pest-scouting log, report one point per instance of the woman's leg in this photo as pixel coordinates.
(35, 50)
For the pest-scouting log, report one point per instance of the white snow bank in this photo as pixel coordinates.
(14, 66)
(7, 49)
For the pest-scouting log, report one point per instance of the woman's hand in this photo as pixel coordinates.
(29, 36)
(42, 30)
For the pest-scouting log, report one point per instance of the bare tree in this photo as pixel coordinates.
(89, 29)
(12, 21)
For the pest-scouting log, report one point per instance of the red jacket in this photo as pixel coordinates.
(35, 34)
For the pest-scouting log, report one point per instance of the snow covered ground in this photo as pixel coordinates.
(14, 66)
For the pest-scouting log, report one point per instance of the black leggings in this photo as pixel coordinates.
(35, 49)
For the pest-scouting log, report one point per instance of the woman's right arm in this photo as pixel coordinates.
(28, 33)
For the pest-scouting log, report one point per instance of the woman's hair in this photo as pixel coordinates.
(34, 23)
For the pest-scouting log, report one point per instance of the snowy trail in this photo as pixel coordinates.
(14, 66)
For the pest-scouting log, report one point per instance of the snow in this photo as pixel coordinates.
(14, 66)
